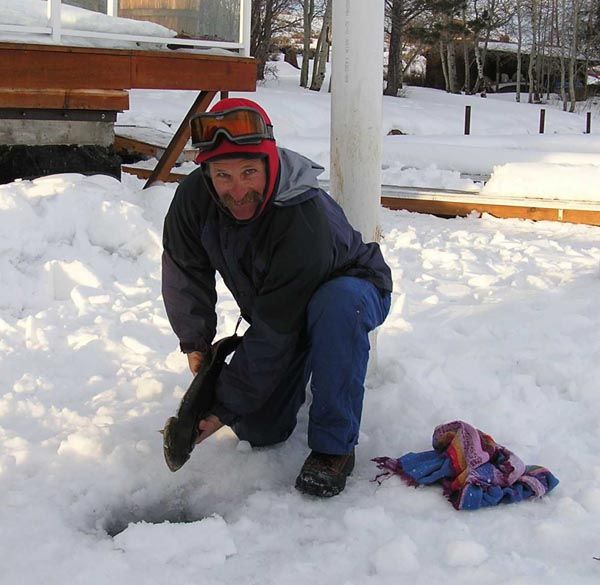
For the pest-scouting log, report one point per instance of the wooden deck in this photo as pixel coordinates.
(46, 67)
(40, 81)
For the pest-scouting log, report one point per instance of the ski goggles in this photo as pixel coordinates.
(238, 125)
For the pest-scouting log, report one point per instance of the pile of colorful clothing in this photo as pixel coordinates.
(473, 469)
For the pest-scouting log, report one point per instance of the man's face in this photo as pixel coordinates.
(240, 184)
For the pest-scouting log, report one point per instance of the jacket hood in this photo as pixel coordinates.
(297, 176)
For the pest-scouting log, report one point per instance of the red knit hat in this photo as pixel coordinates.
(266, 148)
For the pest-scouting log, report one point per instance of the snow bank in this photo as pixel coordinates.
(555, 181)
(64, 237)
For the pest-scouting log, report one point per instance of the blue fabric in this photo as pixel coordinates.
(340, 316)
(473, 469)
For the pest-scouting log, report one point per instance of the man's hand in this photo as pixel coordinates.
(207, 426)
(195, 361)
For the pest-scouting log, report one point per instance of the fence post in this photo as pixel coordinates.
(588, 123)
(542, 120)
(467, 120)
(53, 13)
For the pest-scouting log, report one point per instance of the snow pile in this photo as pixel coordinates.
(531, 180)
(61, 238)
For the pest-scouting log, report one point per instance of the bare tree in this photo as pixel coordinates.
(395, 68)
(269, 18)
(519, 14)
(412, 25)
(452, 30)
(322, 52)
(576, 5)
(466, 44)
(453, 86)
(489, 16)
(534, 15)
(308, 14)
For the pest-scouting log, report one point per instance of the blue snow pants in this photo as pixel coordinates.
(339, 317)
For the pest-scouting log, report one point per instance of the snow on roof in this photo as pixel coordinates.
(512, 47)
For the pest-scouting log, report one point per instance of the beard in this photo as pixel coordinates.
(250, 197)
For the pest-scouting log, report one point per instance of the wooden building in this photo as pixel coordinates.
(500, 69)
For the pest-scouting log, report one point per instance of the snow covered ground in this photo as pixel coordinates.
(494, 322)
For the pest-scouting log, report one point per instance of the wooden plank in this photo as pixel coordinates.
(33, 68)
(57, 67)
(166, 71)
(581, 216)
(65, 99)
(146, 173)
(169, 157)
(147, 149)
(135, 147)
(453, 209)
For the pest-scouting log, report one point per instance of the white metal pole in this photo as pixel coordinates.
(356, 109)
(245, 26)
(112, 7)
(54, 21)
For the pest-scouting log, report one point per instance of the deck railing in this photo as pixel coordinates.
(57, 32)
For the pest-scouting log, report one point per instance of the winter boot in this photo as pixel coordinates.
(324, 475)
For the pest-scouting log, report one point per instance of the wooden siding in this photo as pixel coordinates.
(65, 99)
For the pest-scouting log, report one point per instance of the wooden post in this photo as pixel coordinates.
(588, 123)
(167, 160)
(467, 120)
(542, 120)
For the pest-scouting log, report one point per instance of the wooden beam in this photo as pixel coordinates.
(169, 157)
(144, 148)
(65, 99)
(181, 71)
(34, 66)
(457, 208)
(131, 146)
(145, 174)
(44, 67)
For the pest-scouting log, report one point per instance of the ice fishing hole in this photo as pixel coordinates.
(119, 520)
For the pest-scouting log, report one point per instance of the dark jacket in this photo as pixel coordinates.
(272, 266)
